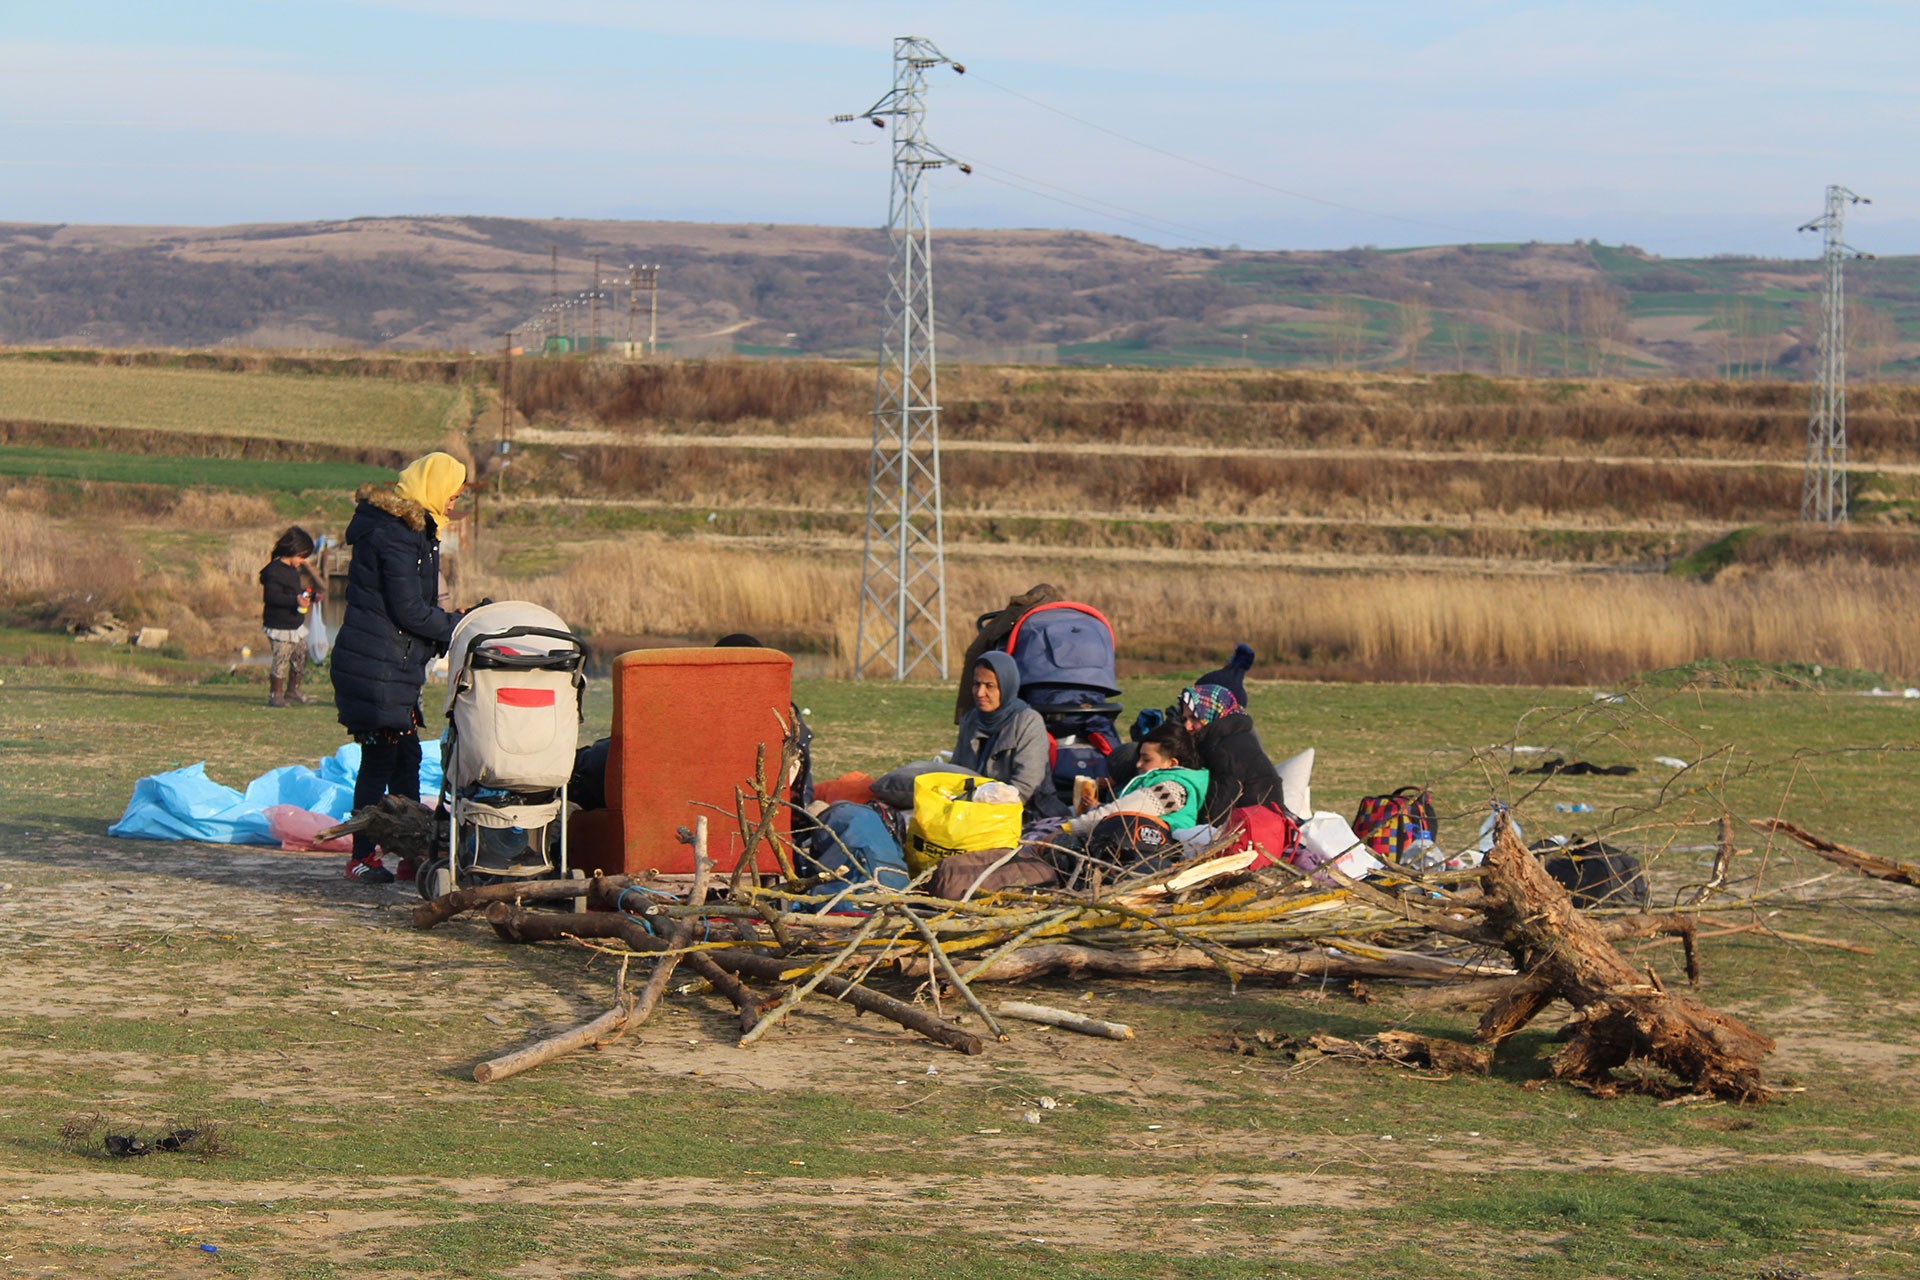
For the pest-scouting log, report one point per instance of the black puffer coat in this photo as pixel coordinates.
(1238, 770)
(394, 625)
(280, 588)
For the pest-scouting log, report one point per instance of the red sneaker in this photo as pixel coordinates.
(405, 870)
(368, 870)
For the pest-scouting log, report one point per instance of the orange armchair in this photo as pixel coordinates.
(687, 727)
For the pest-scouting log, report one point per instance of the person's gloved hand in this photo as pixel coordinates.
(1146, 722)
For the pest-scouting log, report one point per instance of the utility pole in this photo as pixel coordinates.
(556, 329)
(1823, 498)
(903, 603)
(633, 305)
(645, 279)
(651, 276)
(506, 396)
(593, 310)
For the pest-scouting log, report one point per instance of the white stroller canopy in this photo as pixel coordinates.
(503, 615)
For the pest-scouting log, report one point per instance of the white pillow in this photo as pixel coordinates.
(1296, 778)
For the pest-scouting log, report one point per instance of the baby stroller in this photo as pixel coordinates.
(515, 683)
(1065, 654)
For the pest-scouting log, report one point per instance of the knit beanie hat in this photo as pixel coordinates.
(1231, 677)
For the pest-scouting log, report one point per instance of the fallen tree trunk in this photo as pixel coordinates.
(1460, 995)
(517, 925)
(1852, 859)
(1621, 1014)
(1070, 958)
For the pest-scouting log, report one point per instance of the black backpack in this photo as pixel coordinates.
(1596, 874)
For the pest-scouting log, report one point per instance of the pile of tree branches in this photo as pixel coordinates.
(1505, 935)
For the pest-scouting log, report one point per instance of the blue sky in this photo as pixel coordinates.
(1686, 128)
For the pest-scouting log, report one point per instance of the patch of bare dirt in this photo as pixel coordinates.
(174, 1216)
(194, 929)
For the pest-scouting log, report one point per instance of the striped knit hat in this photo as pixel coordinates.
(1208, 702)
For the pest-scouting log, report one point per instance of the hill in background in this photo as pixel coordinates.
(1038, 297)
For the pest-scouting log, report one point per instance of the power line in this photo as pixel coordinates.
(1093, 204)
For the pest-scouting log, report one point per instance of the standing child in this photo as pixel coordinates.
(285, 598)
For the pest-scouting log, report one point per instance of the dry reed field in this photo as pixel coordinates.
(1375, 626)
(1389, 527)
(1378, 625)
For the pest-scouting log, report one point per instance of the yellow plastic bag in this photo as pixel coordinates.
(945, 822)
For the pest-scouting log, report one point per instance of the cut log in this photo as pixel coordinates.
(608, 1026)
(1621, 1014)
(1066, 1020)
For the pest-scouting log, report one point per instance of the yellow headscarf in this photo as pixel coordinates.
(434, 482)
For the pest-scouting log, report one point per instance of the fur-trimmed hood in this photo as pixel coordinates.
(383, 496)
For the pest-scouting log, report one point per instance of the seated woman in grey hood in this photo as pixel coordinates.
(1002, 737)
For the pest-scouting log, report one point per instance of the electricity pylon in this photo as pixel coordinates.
(903, 603)
(1823, 498)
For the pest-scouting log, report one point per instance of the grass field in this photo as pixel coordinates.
(330, 1046)
(279, 406)
(180, 473)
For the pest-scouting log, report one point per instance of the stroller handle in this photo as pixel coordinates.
(574, 657)
(549, 632)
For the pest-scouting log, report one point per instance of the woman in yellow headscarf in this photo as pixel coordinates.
(394, 626)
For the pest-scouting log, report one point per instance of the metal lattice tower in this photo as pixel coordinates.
(1824, 496)
(903, 603)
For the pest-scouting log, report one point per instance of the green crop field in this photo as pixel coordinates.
(340, 411)
(219, 473)
(328, 1047)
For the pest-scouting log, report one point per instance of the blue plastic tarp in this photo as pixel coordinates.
(185, 804)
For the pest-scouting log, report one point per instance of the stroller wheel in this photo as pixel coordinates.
(433, 878)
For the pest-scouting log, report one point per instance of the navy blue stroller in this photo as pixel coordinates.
(1065, 653)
